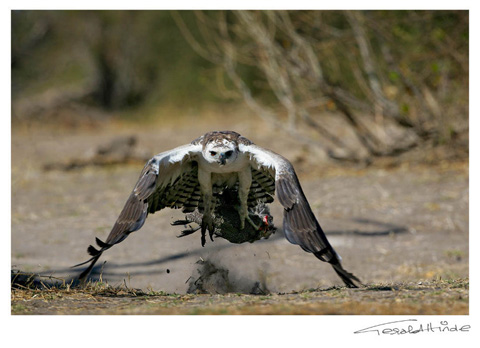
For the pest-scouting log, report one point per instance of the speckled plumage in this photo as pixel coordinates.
(193, 176)
(221, 136)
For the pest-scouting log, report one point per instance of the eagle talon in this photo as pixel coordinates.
(210, 232)
(207, 223)
(204, 230)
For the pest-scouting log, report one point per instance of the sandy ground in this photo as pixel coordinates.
(429, 297)
(408, 224)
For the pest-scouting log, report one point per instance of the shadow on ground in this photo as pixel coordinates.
(376, 229)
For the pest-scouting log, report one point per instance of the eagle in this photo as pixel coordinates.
(191, 177)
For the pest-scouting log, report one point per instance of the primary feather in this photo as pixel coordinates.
(193, 176)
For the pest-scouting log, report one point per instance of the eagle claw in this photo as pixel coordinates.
(207, 223)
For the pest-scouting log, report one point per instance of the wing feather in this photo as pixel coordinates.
(299, 223)
(262, 188)
(167, 180)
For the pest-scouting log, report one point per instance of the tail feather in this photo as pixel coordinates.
(102, 244)
(347, 277)
(95, 253)
(82, 277)
(92, 251)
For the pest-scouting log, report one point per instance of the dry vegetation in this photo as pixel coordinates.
(397, 211)
(423, 298)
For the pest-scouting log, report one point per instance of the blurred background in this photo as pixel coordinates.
(390, 80)
(351, 94)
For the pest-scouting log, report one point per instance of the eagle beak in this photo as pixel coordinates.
(223, 159)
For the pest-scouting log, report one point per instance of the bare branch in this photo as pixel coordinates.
(203, 52)
(294, 57)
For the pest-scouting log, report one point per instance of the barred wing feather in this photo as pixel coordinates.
(168, 179)
(299, 223)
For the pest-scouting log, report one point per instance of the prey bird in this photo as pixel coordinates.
(192, 176)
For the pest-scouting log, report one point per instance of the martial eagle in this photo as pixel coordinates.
(186, 177)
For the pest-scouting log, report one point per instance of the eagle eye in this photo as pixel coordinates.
(213, 153)
(228, 153)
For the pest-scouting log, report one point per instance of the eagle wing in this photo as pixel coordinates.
(168, 179)
(299, 223)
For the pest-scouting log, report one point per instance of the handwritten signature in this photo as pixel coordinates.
(411, 326)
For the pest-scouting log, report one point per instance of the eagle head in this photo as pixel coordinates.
(222, 152)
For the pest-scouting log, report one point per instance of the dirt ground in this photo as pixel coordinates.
(403, 231)
(433, 298)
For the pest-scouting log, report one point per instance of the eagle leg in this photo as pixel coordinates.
(202, 238)
(210, 233)
(207, 223)
(244, 183)
(207, 219)
(242, 211)
(253, 224)
(206, 187)
(245, 216)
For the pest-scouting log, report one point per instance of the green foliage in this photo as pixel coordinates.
(122, 58)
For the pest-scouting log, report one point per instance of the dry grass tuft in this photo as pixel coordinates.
(34, 294)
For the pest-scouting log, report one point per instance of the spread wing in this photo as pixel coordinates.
(169, 179)
(299, 223)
